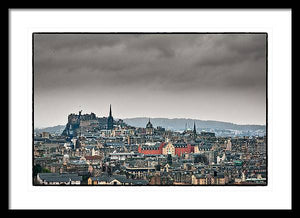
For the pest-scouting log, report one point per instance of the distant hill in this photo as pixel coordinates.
(177, 124)
(180, 124)
(54, 129)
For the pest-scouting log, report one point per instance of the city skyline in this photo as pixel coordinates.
(152, 118)
(218, 77)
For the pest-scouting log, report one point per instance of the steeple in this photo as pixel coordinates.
(110, 120)
(195, 131)
(110, 113)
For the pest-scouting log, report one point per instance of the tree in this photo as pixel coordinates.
(45, 170)
(37, 169)
(85, 178)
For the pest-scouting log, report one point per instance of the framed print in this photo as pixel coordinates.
(128, 109)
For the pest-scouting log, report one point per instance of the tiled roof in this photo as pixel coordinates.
(120, 178)
(56, 177)
(96, 157)
(180, 145)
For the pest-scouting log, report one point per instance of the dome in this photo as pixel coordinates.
(149, 124)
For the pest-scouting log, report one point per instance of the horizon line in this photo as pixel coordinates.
(144, 117)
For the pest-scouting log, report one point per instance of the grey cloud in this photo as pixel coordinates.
(73, 42)
(143, 64)
(232, 49)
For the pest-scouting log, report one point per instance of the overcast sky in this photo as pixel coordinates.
(203, 76)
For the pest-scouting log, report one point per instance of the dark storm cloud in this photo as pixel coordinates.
(146, 63)
(232, 49)
(138, 56)
(73, 42)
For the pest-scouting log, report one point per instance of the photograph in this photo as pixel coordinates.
(149, 109)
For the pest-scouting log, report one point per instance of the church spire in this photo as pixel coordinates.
(194, 132)
(110, 120)
(110, 113)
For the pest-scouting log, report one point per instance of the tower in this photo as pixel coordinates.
(149, 128)
(228, 147)
(195, 131)
(110, 120)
